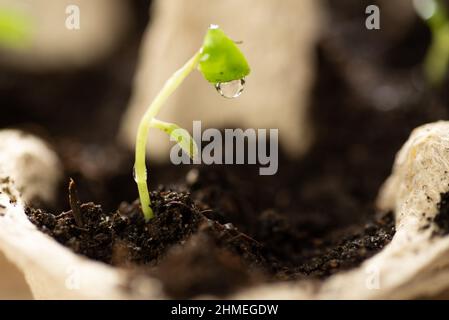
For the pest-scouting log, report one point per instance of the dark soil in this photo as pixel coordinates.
(123, 236)
(220, 228)
(194, 253)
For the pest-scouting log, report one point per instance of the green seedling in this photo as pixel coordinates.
(221, 63)
(15, 28)
(436, 63)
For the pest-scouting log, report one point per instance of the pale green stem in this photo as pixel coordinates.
(140, 170)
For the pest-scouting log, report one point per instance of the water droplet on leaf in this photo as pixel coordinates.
(231, 89)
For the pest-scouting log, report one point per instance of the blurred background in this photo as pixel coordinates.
(366, 90)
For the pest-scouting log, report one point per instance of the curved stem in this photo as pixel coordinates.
(140, 172)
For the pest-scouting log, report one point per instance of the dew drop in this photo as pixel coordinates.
(134, 174)
(231, 89)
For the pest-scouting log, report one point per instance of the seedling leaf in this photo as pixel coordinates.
(221, 59)
(179, 135)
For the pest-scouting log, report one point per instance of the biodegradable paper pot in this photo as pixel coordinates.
(415, 263)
